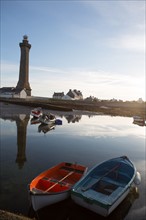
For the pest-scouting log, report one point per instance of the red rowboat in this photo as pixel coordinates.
(55, 184)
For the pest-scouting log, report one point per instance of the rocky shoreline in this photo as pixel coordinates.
(5, 215)
(128, 109)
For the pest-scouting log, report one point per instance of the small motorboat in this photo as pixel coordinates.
(47, 118)
(139, 123)
(139, 120)
(37, 112)
(58, 122)
(106, 185)
(54, 184)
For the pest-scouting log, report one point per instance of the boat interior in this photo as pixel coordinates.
(49, 185)
(106, 184)
(104, 187)
(61, 179)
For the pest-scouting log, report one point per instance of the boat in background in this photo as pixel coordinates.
(37, 112)
(54, 184)
(106, 185)
(139, 120)
(58, 121)
(47, 118)
(139, 123)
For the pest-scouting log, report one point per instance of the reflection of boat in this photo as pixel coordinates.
(36, 112)
(123, 209)
(106, 185)
(73, 118)
(34, 120)
(45, 128)
(54, 185)
(47, 118)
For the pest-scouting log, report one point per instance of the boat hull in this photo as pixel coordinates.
(35, 120)
(96, 207)
(138, 119)
(47, 122)
(40, 201)
(47, 119)
(35, 115)
(37, 112)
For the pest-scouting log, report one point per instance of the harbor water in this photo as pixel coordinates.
(27, 148)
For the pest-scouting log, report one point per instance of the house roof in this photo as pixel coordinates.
(78, 92)
(7, 89)
(58, 94)
(10, 90)
(74, 93)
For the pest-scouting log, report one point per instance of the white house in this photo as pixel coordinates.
(71, 95)
(12, 92)
(75, 94)
(90, 99)
(66, 97)
(58, 95)
(140, 100)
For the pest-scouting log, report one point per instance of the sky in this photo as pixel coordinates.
(97, 47)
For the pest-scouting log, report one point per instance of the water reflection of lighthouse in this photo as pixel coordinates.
(21, 123)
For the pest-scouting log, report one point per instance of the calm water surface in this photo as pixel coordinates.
(27, 149)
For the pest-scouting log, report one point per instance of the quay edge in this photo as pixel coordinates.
(5, 215)
(126, 109)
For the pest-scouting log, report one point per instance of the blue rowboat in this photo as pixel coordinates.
(106, 185)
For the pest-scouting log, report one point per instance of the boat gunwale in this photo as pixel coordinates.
(97, 165)
(77, 168)
(42, 193)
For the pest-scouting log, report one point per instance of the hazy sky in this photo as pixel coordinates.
(97, 47)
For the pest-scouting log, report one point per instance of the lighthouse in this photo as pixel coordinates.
(23, 82)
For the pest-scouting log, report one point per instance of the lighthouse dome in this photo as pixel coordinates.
(25, 37)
